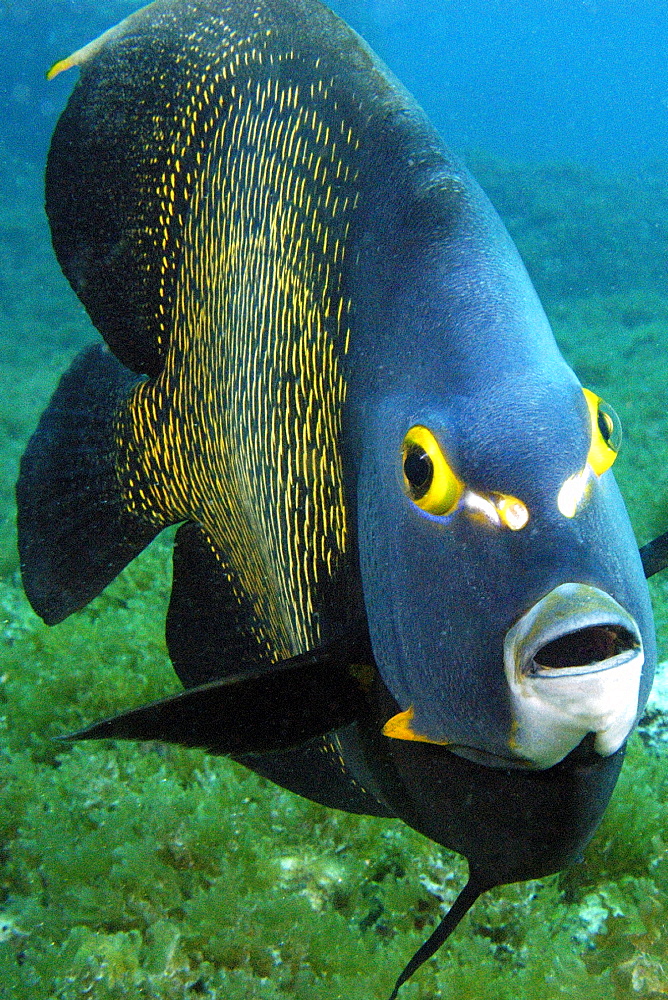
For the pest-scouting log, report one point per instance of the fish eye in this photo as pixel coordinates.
(609, 425)
(428, 479)
(418, 470)
(606, 433)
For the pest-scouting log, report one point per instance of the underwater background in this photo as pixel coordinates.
(157, 872)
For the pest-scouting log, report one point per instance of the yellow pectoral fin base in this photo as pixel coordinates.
(399, 728)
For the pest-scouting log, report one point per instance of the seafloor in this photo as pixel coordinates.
(155, 872)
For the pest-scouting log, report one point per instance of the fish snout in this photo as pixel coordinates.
(573, 664)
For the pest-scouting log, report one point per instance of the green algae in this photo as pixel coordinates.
(130, 872)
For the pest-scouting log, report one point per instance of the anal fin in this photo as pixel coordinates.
(210, 631)
(211, 635)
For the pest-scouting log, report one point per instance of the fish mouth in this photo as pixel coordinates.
(573, 664)
(586, 650)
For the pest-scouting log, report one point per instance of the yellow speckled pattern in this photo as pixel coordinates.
(240, 432)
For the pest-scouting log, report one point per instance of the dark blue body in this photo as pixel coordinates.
(451, 334)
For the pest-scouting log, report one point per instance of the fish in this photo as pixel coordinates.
(405, 583)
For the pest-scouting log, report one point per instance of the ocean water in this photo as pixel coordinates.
(158, 872)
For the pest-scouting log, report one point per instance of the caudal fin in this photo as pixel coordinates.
(75, 531)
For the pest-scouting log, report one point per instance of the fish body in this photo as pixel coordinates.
(399, 530)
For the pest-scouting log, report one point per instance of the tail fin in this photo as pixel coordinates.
(475, 886)
(75, 531)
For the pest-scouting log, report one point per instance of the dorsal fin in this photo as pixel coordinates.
(107, 190)
(127, 166)
(86, 52)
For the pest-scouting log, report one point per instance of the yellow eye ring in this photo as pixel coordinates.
(606, 433)
(428, 479)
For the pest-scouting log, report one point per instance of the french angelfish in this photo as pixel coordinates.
(405, 583)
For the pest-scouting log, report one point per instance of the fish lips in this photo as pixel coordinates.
(573, 664)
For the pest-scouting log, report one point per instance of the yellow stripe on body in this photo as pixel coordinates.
(241, 430)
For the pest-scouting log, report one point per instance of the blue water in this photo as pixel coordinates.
(539, 79)
(523, 79)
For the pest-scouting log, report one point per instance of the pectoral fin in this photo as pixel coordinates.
(654, 555)
(263, 711)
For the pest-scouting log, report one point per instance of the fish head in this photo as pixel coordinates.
(508, 610)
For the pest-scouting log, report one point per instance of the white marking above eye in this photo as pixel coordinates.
(512, 512)
(481, 505)
(573, 491)
(498, 508)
